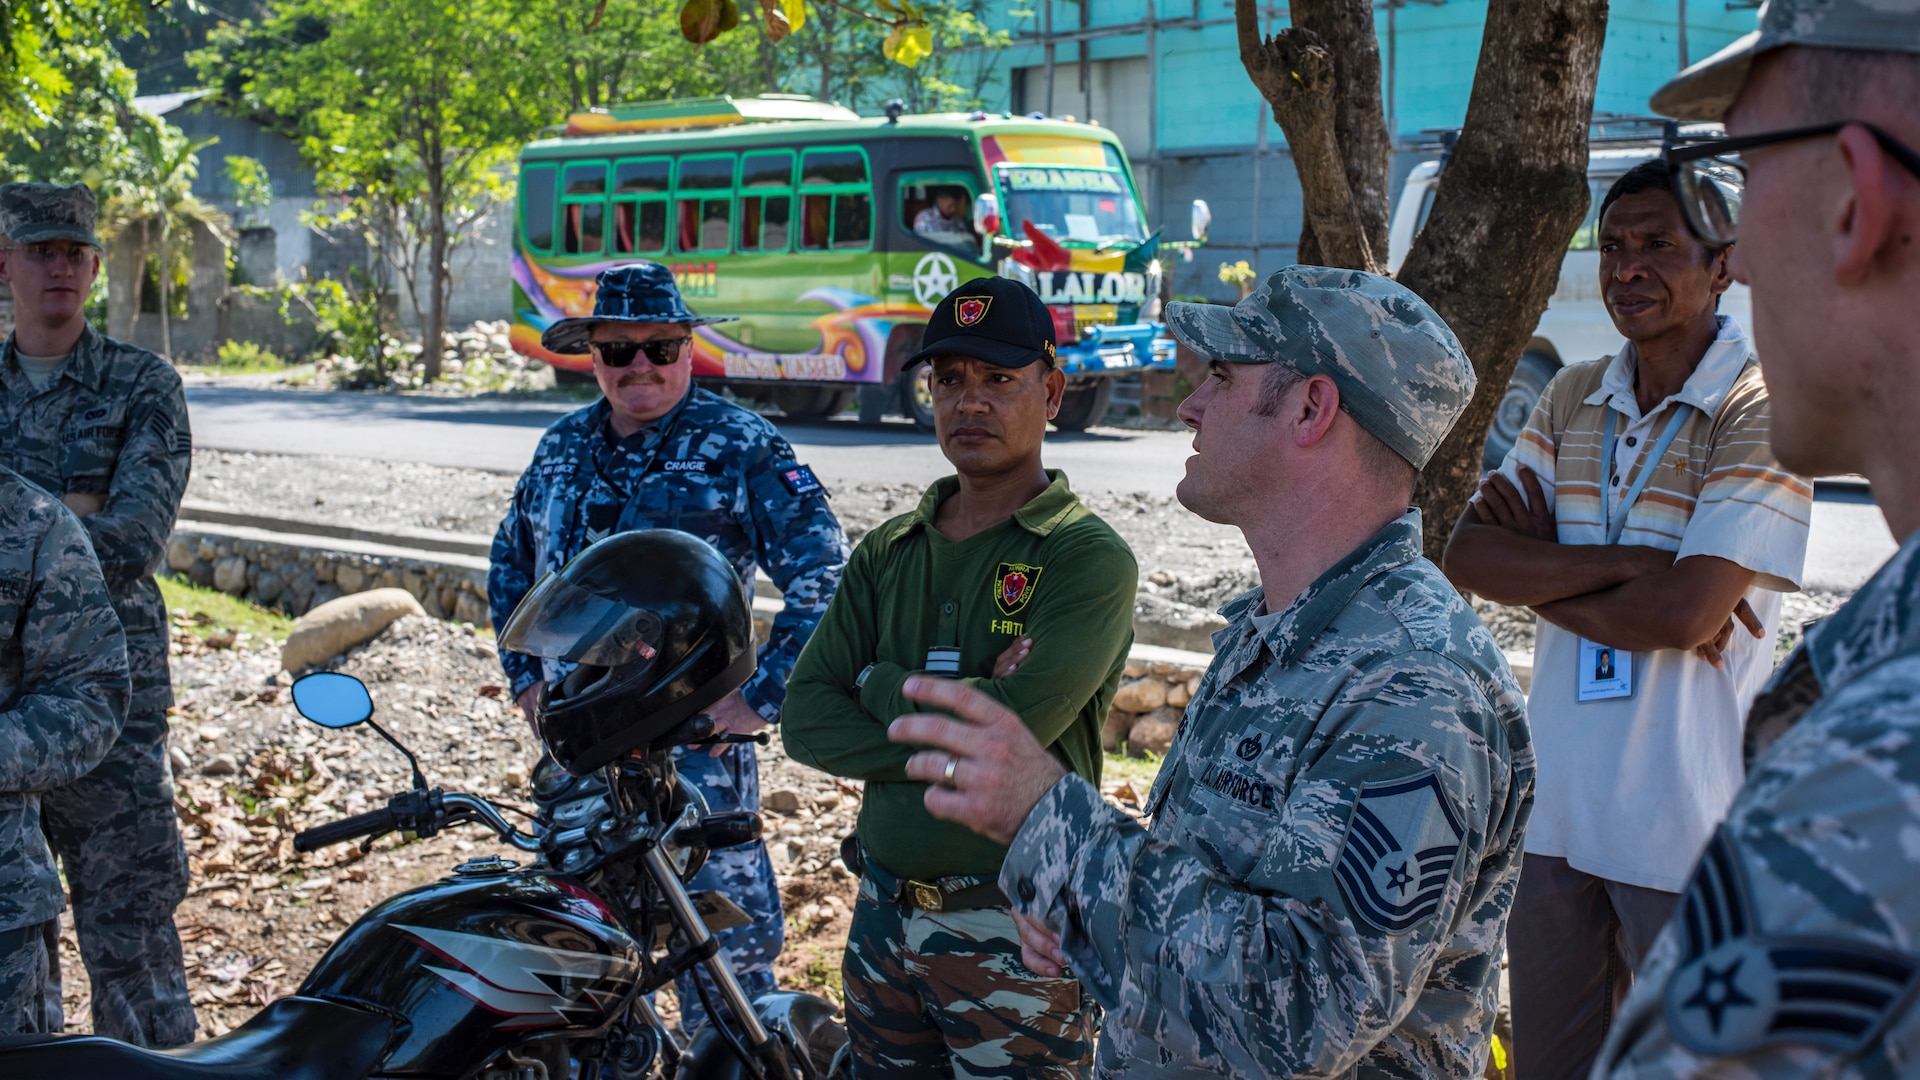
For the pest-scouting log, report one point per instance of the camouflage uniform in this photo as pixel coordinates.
(1338, 824)
(64, 690)
(1335, 843)
(1795, 950)
(112, 423)
(725, 475)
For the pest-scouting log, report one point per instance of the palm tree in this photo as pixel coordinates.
(154, 192)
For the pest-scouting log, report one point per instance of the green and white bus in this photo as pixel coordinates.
(832, 236)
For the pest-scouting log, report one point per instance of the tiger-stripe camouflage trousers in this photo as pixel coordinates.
(944, 994)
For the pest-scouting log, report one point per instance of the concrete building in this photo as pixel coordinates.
(1165, 75)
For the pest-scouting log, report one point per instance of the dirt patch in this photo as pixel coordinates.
(250, 774)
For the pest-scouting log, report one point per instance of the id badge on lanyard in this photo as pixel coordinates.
(1604, 671)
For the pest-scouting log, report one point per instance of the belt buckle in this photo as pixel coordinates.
(926, 897)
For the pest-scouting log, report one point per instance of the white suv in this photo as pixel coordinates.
(1575, 327)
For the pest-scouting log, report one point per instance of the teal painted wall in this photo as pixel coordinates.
(1207, 101)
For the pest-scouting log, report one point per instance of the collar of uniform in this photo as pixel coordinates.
(84, 363)
(1043, 514)
(1706, 389)
(1882, 620)
(1290, 636)
(601, 421)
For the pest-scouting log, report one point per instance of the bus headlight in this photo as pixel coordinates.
(1150, 310)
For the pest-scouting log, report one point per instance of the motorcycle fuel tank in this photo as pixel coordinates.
(481, 962)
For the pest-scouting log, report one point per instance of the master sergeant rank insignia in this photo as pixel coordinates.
(1013, 586)
(1398, 859)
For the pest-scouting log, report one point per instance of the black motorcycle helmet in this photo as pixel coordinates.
(660, 626)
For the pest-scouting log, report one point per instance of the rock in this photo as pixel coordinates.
(1163, 577)
(469, 608)
(1193, 687)
(221, 765)
(1141, 697)
(1178, 695)
(201, 573)
(826, 800)
(350, 578)
(180, 554)
(1133, 671)
(181, 762)
(207, 550)
(1151, 734)
(230, 575)
(268, 587)
(322, 594)
(339, 625)
(1160, 621)
(515, 778)
(1115, 729)
(784, 801)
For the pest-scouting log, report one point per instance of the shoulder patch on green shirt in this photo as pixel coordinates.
(1013, 586)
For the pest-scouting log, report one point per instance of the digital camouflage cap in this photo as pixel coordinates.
(1402, 374)
(34, 213)
(1707, 90)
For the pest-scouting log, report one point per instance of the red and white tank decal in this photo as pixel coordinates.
(530, 985)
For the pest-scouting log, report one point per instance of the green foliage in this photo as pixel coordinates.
(152, 207)
(209, 613)
(81, 139)
(36, 43)
(246, 358)
(252, 187)
(347, 317)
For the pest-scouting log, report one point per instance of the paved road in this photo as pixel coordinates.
(500, 436)
(1849, 537)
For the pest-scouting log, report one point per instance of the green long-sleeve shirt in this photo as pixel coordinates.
(1054, 572)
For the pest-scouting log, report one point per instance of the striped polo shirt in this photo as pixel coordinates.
(1630, 788)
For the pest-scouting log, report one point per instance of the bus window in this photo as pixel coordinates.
(583, 209)
(836, 205)
(766, 201)
(704, 195)
(537, 186)
(640, 206)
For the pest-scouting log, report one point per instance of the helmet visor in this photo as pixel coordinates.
(559, 620)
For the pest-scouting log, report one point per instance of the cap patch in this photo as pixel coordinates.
(971, 309)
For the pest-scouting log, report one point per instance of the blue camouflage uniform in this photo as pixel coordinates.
(724, 474)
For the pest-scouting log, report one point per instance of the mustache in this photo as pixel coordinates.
(636, 377)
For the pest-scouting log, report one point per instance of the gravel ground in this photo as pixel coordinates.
(1188, 566)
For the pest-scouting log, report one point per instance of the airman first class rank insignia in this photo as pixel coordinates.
(1739, 987)
(1013, 586)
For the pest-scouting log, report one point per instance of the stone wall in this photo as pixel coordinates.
(295, 575)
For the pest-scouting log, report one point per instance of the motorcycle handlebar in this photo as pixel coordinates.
(371, 823)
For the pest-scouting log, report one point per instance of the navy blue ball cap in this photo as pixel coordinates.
(639, 292)
(994, 319)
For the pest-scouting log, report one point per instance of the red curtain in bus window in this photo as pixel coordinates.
(687, 225)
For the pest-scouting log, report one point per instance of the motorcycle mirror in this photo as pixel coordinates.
(332, 700)
(1202, 217)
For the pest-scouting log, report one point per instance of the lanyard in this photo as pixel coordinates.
(1648, 465)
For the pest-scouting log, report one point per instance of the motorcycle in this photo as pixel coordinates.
(504, 972)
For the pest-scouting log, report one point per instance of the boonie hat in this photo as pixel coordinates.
(1707, 90)
(33, 213)
(994, 319)
(1402, 374)
(640, 292)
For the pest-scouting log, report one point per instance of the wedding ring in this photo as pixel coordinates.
(946, 775)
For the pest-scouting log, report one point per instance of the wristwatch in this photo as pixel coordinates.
(860, 680)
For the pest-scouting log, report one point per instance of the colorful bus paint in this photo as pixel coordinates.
(824, 233)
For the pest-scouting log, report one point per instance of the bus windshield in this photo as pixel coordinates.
(1093, 206)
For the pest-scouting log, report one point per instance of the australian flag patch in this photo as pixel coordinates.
(1400, 851)
(1738, 988)
(800, 480)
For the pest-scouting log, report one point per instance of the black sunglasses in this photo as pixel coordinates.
(661, 352)
(1708, 180)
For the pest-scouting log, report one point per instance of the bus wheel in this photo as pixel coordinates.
(916, 399)
(1083, 406)
(569, 377)
(1530, 378)
(812, 402)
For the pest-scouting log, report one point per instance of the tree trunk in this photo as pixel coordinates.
(438, 271)
(1514, 190)
(1325, 95)
(166, 271)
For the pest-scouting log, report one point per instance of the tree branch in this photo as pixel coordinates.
(1295, 72)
